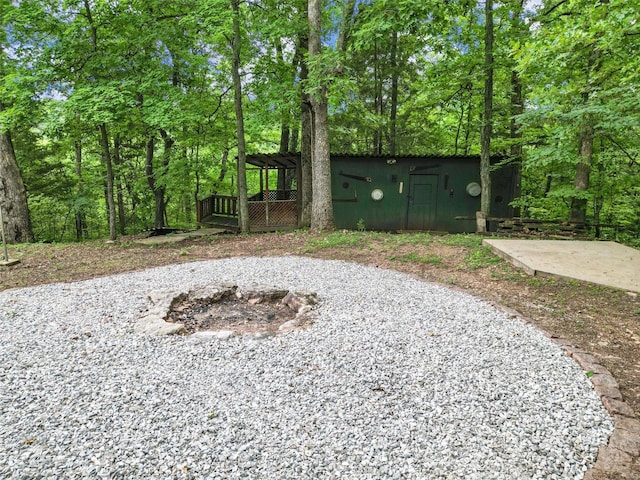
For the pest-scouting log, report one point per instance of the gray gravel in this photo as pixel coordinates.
(396, 379)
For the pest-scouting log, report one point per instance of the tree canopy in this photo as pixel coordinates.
(123, 113)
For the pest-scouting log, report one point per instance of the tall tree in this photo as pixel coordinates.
(306, 140)
(487, 119)
(108, 163)
(243, 205)
(578, 212)
(82, 230)
(321, 207)
(13, 194)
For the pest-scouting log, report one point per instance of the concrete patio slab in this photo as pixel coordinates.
(603, 263)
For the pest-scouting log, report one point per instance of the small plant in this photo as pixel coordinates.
(637, 311)
(342, 238)
(361, 226)
(590, 373)
(535, 281)
(431, 258)
(481, 257)
(418, 238)
(468, 240)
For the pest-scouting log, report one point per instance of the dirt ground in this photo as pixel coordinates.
(599, 320)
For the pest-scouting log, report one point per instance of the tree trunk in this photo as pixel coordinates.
(243, 204)
(158, 194)
(282, 173)
(13, 194)
(485, 151)
(517, 107)
(163, 201)
(321, 208)
(394, 94)
(82, 231)
(111, 205)
(293, 140)
(547, 185)
(305, 189)
(583, 171)
(459, 128)
(467, 132)
(117, 160)
(578, 211)
(223, 165)
(377, 101)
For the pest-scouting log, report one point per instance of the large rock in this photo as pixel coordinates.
(212, 293)
(155, 325)
(153, 321)
(298, 300)
(211, 335)
(261, 293)
(162, 301)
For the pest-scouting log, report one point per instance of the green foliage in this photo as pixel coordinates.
(481, 257)
(430, 259)
(145, 67)
(337, 239)
(462, 240)
(419, 238)
(578, 65)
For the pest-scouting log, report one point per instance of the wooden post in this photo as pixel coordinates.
(299, 191)
(266, 191)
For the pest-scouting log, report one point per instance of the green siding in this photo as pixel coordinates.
(420, 193)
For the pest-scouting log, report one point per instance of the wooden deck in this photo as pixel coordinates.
(278, 211)
(217, 221)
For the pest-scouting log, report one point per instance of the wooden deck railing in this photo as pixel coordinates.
(222, 205)
(272, 213)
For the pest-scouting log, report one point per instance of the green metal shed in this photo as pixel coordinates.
(415, 192)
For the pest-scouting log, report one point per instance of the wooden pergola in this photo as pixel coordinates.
(269, 209)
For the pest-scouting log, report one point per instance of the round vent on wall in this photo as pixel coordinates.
(474, 189)
(377, 194)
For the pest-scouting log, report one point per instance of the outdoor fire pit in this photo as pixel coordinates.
(222, 311)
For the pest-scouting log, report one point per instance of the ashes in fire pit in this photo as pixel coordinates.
(258, 310)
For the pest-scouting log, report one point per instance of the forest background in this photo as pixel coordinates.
(115, 116)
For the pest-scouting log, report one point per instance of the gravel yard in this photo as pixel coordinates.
(397, 378)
